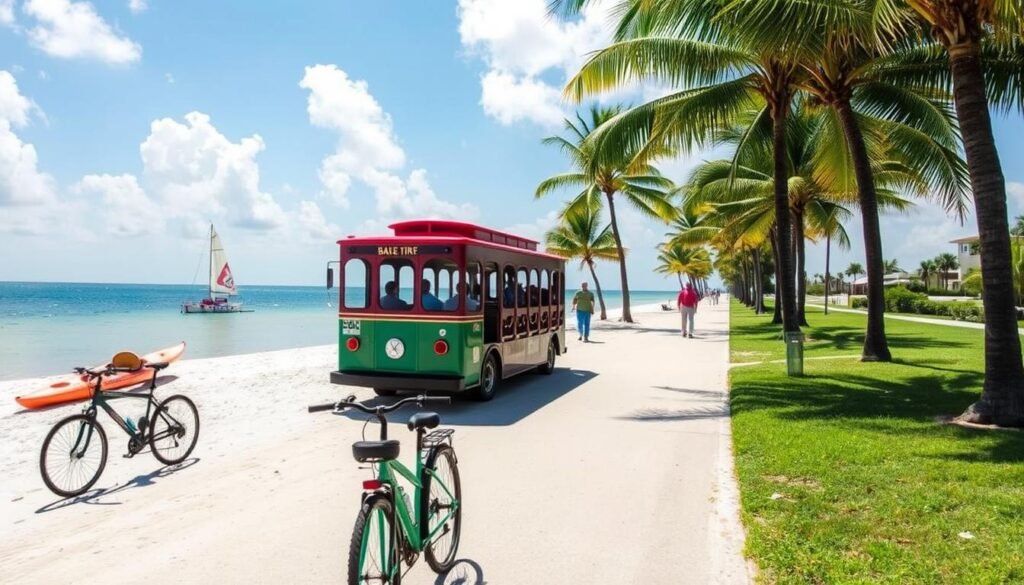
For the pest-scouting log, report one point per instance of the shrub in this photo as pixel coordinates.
(899, 299)
(859, 302)
(966, 311)
(917, 286)
(816, 289)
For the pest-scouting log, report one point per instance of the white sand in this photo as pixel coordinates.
(612, 470)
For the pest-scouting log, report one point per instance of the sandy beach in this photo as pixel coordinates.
(613, 470)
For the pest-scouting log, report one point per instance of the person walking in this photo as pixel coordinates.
(687, 303)
(583, 304)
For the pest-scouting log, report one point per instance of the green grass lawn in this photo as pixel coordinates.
(845, 475)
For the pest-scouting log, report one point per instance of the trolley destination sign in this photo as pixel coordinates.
(399, 250)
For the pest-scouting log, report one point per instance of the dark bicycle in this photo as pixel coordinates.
(75, 450)
(390, 528)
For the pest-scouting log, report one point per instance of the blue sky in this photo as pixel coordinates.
(126, 126)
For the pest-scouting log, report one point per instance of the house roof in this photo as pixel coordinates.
(964, 240)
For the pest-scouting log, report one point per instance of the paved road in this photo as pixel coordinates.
(609, 471)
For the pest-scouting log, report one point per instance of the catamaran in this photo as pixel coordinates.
(221, 283)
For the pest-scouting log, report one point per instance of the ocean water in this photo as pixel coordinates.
(49, 328)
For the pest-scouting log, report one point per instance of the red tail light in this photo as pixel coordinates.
(352, 344)
(372, 484)
(440, 347)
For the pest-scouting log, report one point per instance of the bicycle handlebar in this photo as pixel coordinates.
(377, 410)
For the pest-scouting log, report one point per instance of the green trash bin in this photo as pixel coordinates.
(794, 353)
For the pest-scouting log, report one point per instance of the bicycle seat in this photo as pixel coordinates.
(424, 420)
(365, 451)
(157, 365)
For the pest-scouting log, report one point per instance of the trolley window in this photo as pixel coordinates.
(355, 286)
(439, 281)
(396, 285)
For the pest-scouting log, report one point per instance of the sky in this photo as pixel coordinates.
(127, 126)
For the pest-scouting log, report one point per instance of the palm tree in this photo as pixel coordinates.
(945, 263)
(963, 27)
(832, 227)
(694, 263)
(891, 266)
(853, 270)
(724, 73)
(579, 235)
(928, 269)
(613, 174)
(1018, 227)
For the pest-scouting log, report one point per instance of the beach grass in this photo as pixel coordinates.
(845, 475)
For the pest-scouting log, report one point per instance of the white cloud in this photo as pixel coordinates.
(72, 30)
(520, 42)
(510, 99)
(137, 6)
(127, 211)
(536, 229)
(169, 78)
(368, 150)
(196, 170)
(313, 223)
(7, 12)
(1015, 193)
(21, 181)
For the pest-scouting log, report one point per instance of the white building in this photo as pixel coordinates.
(968, 253)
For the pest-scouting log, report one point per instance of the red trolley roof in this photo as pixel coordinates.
(453, 231)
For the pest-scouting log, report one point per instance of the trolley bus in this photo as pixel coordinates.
(446, 306)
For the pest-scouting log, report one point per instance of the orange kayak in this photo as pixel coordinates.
(74, 387)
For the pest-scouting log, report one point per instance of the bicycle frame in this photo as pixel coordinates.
(416, 531)
(101, 398)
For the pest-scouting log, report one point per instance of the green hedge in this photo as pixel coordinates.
(900, 300)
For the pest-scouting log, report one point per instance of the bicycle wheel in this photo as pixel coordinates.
(174, 430)
(73, 456)
(442, 507)
(374, 555)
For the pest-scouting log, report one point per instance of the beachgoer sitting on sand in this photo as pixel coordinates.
(390, 300)
(427, 300)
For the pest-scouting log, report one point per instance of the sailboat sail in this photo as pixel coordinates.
(221, 280)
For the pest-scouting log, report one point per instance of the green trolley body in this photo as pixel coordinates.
(423, 310)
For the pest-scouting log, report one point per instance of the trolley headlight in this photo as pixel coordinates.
(440, 347)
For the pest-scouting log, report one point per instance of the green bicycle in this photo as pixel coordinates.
(389, 528)
(74, 452)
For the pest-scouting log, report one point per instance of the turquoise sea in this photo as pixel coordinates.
(48, 328)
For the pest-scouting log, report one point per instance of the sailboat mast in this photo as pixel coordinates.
(209, 271)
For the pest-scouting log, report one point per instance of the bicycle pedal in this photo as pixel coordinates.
(128, 455)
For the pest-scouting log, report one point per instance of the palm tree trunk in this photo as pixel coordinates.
(597, 287)
(1002, 397)
(627, 316)
(758, 293)
(784, 283)
(876, 345)
(801, 270)
(777, 305)
(828, 279)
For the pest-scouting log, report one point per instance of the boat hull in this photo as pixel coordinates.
(191, 308)
(74, 387)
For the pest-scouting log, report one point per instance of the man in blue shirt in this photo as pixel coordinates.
(390, 300)
(427, 300)
(452, 304)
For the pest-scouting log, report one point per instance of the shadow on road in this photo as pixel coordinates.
(139, 481)
(516, 399)
(463, 572)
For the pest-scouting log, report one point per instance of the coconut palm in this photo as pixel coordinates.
(945, 263)
(891, 266)
(605, 176)
(854, 269)
(927, 270)
(964, 27)
(579, 235)
(693, 263)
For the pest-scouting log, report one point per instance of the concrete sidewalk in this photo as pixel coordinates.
(616, 469)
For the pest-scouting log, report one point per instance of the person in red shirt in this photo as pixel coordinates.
(687, 302)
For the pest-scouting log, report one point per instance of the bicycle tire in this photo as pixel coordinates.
(174, 449)
(376, 504)
(82, 479)
(440, 457)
